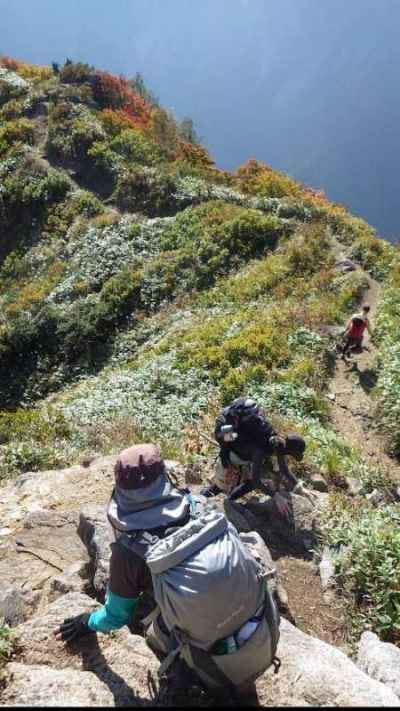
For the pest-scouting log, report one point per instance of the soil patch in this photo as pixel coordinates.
(319, 614)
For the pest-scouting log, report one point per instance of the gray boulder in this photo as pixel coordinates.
(380, 660)
(72, 579)
(121, 660)
(43, 686)
(47, 545)
(318, 483)
(299, 531)
(97, 535)
(345, 265)
(17, 604)
(354, 486)
(314, 673)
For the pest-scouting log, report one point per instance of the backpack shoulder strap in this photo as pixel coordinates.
(139, 543)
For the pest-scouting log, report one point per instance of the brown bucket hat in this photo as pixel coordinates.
(143, 497)
(139, 466)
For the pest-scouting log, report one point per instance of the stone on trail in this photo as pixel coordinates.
(43, 686)
(300, 530)
(327, 569)
(380, 660)
(354, 486)
(121, 660)
(313, 673)
(318, 483)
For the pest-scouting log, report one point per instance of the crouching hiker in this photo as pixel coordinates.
(247, 442)
(355, 328)
(213, 605)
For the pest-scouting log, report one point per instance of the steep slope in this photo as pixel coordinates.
(141, 288)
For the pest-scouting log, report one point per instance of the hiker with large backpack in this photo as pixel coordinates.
(247, 442)
(354, 332)
(213, 605)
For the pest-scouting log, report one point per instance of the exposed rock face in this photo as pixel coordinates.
(45, 567)
(43, 686)
(318, 483)
(300, 529)
(121, 661)
(16, 604)
(46, 545)
(75, 578)
(96, 533)
(380, 660)
(315, 674)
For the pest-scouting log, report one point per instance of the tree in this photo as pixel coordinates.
(187, 131)
(138, 85)
(56, 67)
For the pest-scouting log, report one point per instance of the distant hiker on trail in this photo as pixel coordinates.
(213, 605)
(355, 328)
(247, 441)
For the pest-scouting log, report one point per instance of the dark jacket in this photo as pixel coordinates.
(252, 445)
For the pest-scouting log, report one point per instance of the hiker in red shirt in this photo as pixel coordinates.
(355, 328)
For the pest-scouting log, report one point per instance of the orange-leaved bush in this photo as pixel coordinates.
(115, 93)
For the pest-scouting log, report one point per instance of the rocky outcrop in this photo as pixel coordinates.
(43, 686)
(314, 673)
(45, 547)
(300, 530)
(46, 567)
(96, 533)
(121, 660)
(380, 660)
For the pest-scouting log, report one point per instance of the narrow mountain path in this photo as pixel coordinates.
(353, 407)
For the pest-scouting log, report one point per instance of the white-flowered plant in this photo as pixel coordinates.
(13, 81)
(191, 189)
(100, 254)
(157, 396)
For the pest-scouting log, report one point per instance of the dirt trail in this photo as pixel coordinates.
(353, 407)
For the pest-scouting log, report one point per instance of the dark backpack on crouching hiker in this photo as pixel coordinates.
(207, 585)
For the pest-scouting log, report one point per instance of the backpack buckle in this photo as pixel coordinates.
(276, 664)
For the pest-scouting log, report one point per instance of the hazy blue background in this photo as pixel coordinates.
(309, 86)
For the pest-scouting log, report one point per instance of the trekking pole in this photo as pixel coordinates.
(212, 441)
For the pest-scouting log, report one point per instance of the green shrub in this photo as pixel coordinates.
(146, 190)
(75, 73)
(7, 642)
(11, 132)
(386, 334)
(369, 562)
(132, 145)
(89, 324)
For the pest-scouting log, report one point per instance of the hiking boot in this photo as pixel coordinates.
(209, 491)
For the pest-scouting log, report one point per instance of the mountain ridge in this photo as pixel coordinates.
(141, 289)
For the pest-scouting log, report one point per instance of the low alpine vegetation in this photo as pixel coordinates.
(142, 288)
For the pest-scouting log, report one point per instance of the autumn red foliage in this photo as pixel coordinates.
(194, 154)
(115, 93)
(116, 120)
(9, 63)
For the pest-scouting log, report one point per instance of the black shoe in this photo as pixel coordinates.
(212, 490)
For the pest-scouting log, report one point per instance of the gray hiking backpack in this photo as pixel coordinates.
(207, 585)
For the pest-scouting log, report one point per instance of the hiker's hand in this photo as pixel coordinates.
(281, 504)
(73, 627)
